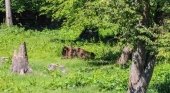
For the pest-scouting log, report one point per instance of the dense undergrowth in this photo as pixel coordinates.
(94, 76)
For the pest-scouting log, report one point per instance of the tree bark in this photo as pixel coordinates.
(141, 69)
(8, 13)
(20, 60)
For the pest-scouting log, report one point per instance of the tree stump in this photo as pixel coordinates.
(125, 56)
(20, 60)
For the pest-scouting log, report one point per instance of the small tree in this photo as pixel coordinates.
(136, 25)
(144, 55)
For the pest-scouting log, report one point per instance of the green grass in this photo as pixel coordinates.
(93, 76)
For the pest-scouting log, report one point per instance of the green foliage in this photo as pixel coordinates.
(23, 5)
(26, 5)
(79, 13)
(164, 48)
(2, 5)
(164, 86)
(160, 80)
(111, 16)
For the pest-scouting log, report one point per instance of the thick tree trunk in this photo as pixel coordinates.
(141, 70)
(20, 60)
(8, 13)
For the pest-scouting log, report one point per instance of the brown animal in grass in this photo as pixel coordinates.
(81, 53)
(70, 52)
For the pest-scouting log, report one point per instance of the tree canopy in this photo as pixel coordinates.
(112, 17)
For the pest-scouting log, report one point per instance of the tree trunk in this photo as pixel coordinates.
(8, 13)
(141, 69)
(20, 60)
(142, 62)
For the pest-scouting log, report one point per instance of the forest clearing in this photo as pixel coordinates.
(77, 46)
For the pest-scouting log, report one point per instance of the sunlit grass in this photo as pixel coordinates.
(94, 76)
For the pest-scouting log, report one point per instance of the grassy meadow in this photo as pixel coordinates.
(100, 75)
